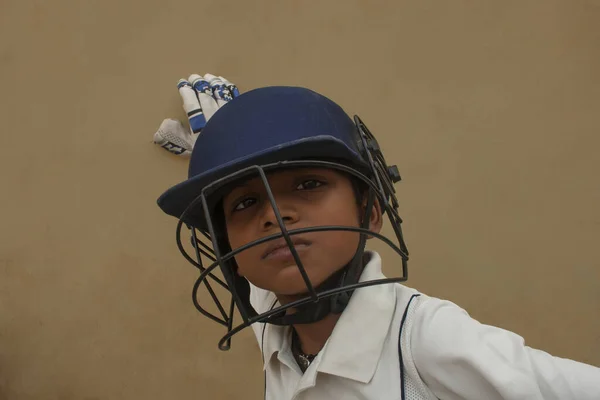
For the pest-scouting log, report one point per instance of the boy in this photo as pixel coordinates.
(288, 189)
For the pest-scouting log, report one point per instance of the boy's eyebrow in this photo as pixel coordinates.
(243, 184)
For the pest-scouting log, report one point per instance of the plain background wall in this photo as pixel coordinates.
(489, 108)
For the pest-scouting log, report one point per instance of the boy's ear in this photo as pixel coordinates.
(376, 217)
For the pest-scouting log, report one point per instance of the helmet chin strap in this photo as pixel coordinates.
(348, 275)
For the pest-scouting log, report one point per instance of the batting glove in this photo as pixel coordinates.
(202, 97)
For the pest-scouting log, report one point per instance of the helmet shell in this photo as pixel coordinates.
(264, 126)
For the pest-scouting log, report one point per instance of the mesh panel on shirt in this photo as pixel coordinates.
(414, 387)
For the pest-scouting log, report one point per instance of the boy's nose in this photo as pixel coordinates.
(288, 213)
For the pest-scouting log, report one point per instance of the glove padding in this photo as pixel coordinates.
(202, 97)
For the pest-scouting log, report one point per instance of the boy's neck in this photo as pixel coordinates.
(314, 335)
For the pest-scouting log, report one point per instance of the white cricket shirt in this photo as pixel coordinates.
(445, 354)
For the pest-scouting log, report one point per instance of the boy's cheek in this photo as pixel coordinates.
(241, 267)
(245, 265)
(237, 240)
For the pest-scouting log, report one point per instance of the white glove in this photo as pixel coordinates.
(202, 97)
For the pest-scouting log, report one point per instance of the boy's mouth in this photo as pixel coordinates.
(280, 249)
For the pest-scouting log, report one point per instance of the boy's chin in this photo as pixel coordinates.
(297, 290)
(288, 282)
(292, 289)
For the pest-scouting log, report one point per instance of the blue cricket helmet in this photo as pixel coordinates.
(266, 129)
(260, 127)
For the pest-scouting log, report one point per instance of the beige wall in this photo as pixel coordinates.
(490, 109)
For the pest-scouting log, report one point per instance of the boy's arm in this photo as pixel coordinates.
(460, 358)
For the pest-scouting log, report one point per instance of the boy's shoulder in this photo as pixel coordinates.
(406, 293)
(421, 309)
(263, 300)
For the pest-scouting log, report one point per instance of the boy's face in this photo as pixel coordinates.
(305, 197)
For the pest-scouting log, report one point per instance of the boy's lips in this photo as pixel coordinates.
(281, 246)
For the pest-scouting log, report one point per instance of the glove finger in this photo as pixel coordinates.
(219, 90)
(233, 89)
(173, 137)
(191, 105)
(205, 96)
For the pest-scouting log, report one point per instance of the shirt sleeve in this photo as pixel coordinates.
(459, 358)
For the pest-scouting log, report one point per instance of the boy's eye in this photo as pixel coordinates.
(247, 202)
(309, 184)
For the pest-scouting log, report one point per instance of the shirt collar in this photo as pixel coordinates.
(275, 338)
(355, 345)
